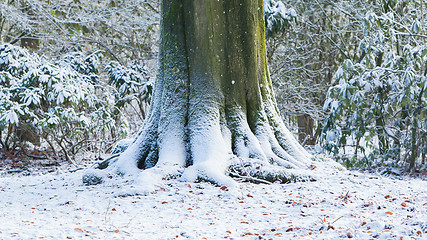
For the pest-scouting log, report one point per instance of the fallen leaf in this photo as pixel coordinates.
(246, 234)
(277, 234)
(389, 213)
(403, 204)
(113, 210)
(289, 229)
(78, 229)
(387, 196)
(116, 231)
(223, 188)
(164, 202)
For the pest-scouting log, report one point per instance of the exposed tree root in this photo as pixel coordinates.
(213, 114)
(218, 153)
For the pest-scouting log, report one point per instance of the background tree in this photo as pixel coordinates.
(123, 29)
(213, 107)
(305, 56)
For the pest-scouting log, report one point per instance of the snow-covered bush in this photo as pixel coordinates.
(130, 84)
(87, 66)
(277, 17)
(379, 106)
(56, 102)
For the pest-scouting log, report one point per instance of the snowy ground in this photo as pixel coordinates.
(340, 205)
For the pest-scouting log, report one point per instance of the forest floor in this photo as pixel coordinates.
(54, 204)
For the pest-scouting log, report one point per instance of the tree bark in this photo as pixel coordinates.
(213, 110)
(28, 40)
(305, 130)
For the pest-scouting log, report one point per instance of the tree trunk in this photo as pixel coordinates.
(305, 130)
(213, 111)
(28, 40)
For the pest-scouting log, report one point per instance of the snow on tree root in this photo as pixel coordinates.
(217, 149)
(213, 113)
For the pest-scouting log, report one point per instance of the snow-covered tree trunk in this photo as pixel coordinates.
(213, 111)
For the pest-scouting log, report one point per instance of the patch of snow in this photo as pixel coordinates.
(340, 204)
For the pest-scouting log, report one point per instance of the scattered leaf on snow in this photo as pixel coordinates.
(246, 234)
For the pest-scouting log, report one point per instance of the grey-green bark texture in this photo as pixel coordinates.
(213, 110)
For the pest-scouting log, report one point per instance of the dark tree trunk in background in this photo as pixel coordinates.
(27, 40)
(305, 130)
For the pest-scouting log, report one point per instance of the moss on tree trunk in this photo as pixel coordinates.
(213, 110)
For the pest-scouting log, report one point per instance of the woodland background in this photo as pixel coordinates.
(76, 77)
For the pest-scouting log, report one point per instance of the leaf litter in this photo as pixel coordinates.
(343, 204)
